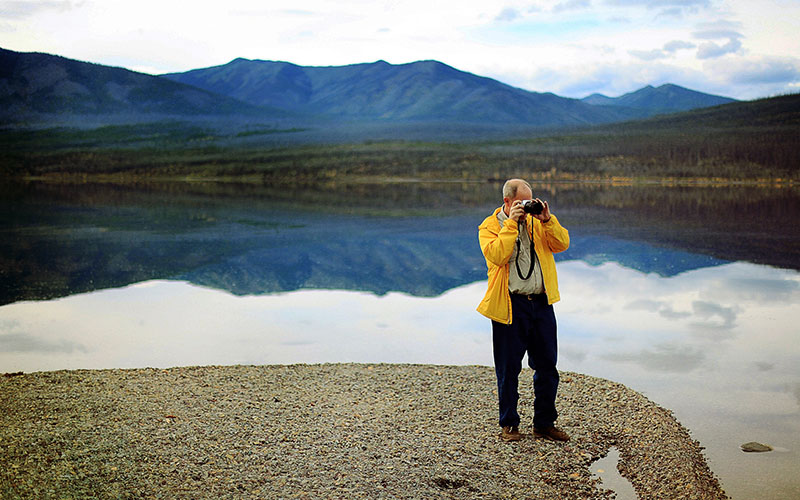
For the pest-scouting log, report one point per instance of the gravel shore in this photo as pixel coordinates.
(344, 431)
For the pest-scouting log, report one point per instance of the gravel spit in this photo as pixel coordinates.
(346, 431)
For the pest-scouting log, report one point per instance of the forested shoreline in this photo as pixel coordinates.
(746, 142)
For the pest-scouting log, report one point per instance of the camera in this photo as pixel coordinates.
(533, 207)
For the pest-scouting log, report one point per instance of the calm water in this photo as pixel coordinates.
(688, 295)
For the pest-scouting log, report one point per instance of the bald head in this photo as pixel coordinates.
(515, 190)
(511, 187)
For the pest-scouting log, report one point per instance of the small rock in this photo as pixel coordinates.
(448, 484)
(752, 446)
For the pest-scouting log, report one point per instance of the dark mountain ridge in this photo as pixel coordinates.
(422, 91)
(40, 85)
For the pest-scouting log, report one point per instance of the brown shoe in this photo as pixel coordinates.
(552, 433)
(510, 433)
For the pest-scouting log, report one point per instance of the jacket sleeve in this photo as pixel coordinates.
(556, 235)
(498, 247)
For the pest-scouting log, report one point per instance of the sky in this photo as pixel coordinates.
(745, 49)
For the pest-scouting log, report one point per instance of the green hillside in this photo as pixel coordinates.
(743, 141)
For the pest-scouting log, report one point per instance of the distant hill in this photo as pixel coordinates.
(667, 98)
(767, 115)
(35, 84)
(419, 91)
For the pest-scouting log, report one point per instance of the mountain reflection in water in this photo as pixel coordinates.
(418, 238)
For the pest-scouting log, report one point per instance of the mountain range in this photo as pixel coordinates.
(667, 98)
(37, 87)
(42, 87)
(419, 91)
(426, 90)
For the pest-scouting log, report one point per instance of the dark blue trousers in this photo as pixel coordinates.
(532, 330)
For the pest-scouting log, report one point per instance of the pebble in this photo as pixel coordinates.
(328, 431)
(754, 447)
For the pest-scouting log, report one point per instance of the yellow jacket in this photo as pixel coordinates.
(497, 244)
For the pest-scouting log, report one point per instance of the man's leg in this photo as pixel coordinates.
(509, 349)
(542, 357)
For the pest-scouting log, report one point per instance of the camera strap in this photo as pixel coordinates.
(516, 260)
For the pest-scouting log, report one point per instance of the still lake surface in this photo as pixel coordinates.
(686, 294)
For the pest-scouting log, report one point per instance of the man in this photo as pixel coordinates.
(523, 286)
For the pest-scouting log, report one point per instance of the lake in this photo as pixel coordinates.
(686, 294)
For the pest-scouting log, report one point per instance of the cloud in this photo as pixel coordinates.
(659, 4)
(767, 70)
(675, 9)
(764, 366)
(19, 342)
(766, 290)
(677, 45)
(266, 11)
(713, 315)
(718, 25)
(662, 308)
(645, 305)
(710, 50)
(22, 9)
(572, 5)
(673, 13)
(573, 353)
(716, 34)
(508, 14)
(671, 314)
(665, 358)
(668, 50)
(715, 31)
(648, 55)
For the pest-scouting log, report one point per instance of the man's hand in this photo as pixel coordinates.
(516, 212)
(545, 215)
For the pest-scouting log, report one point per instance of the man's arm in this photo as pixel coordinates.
(556, 236)
(498, 247)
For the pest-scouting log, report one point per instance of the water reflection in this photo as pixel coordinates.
(419, 238)
(166, 323)
(697, 320)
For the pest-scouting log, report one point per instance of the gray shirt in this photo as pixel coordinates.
(522, 254)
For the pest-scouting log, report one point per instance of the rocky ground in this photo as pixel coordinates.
(327, 431)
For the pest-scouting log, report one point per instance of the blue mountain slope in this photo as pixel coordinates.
(667, 98)
(34, 84)
(422, 91)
